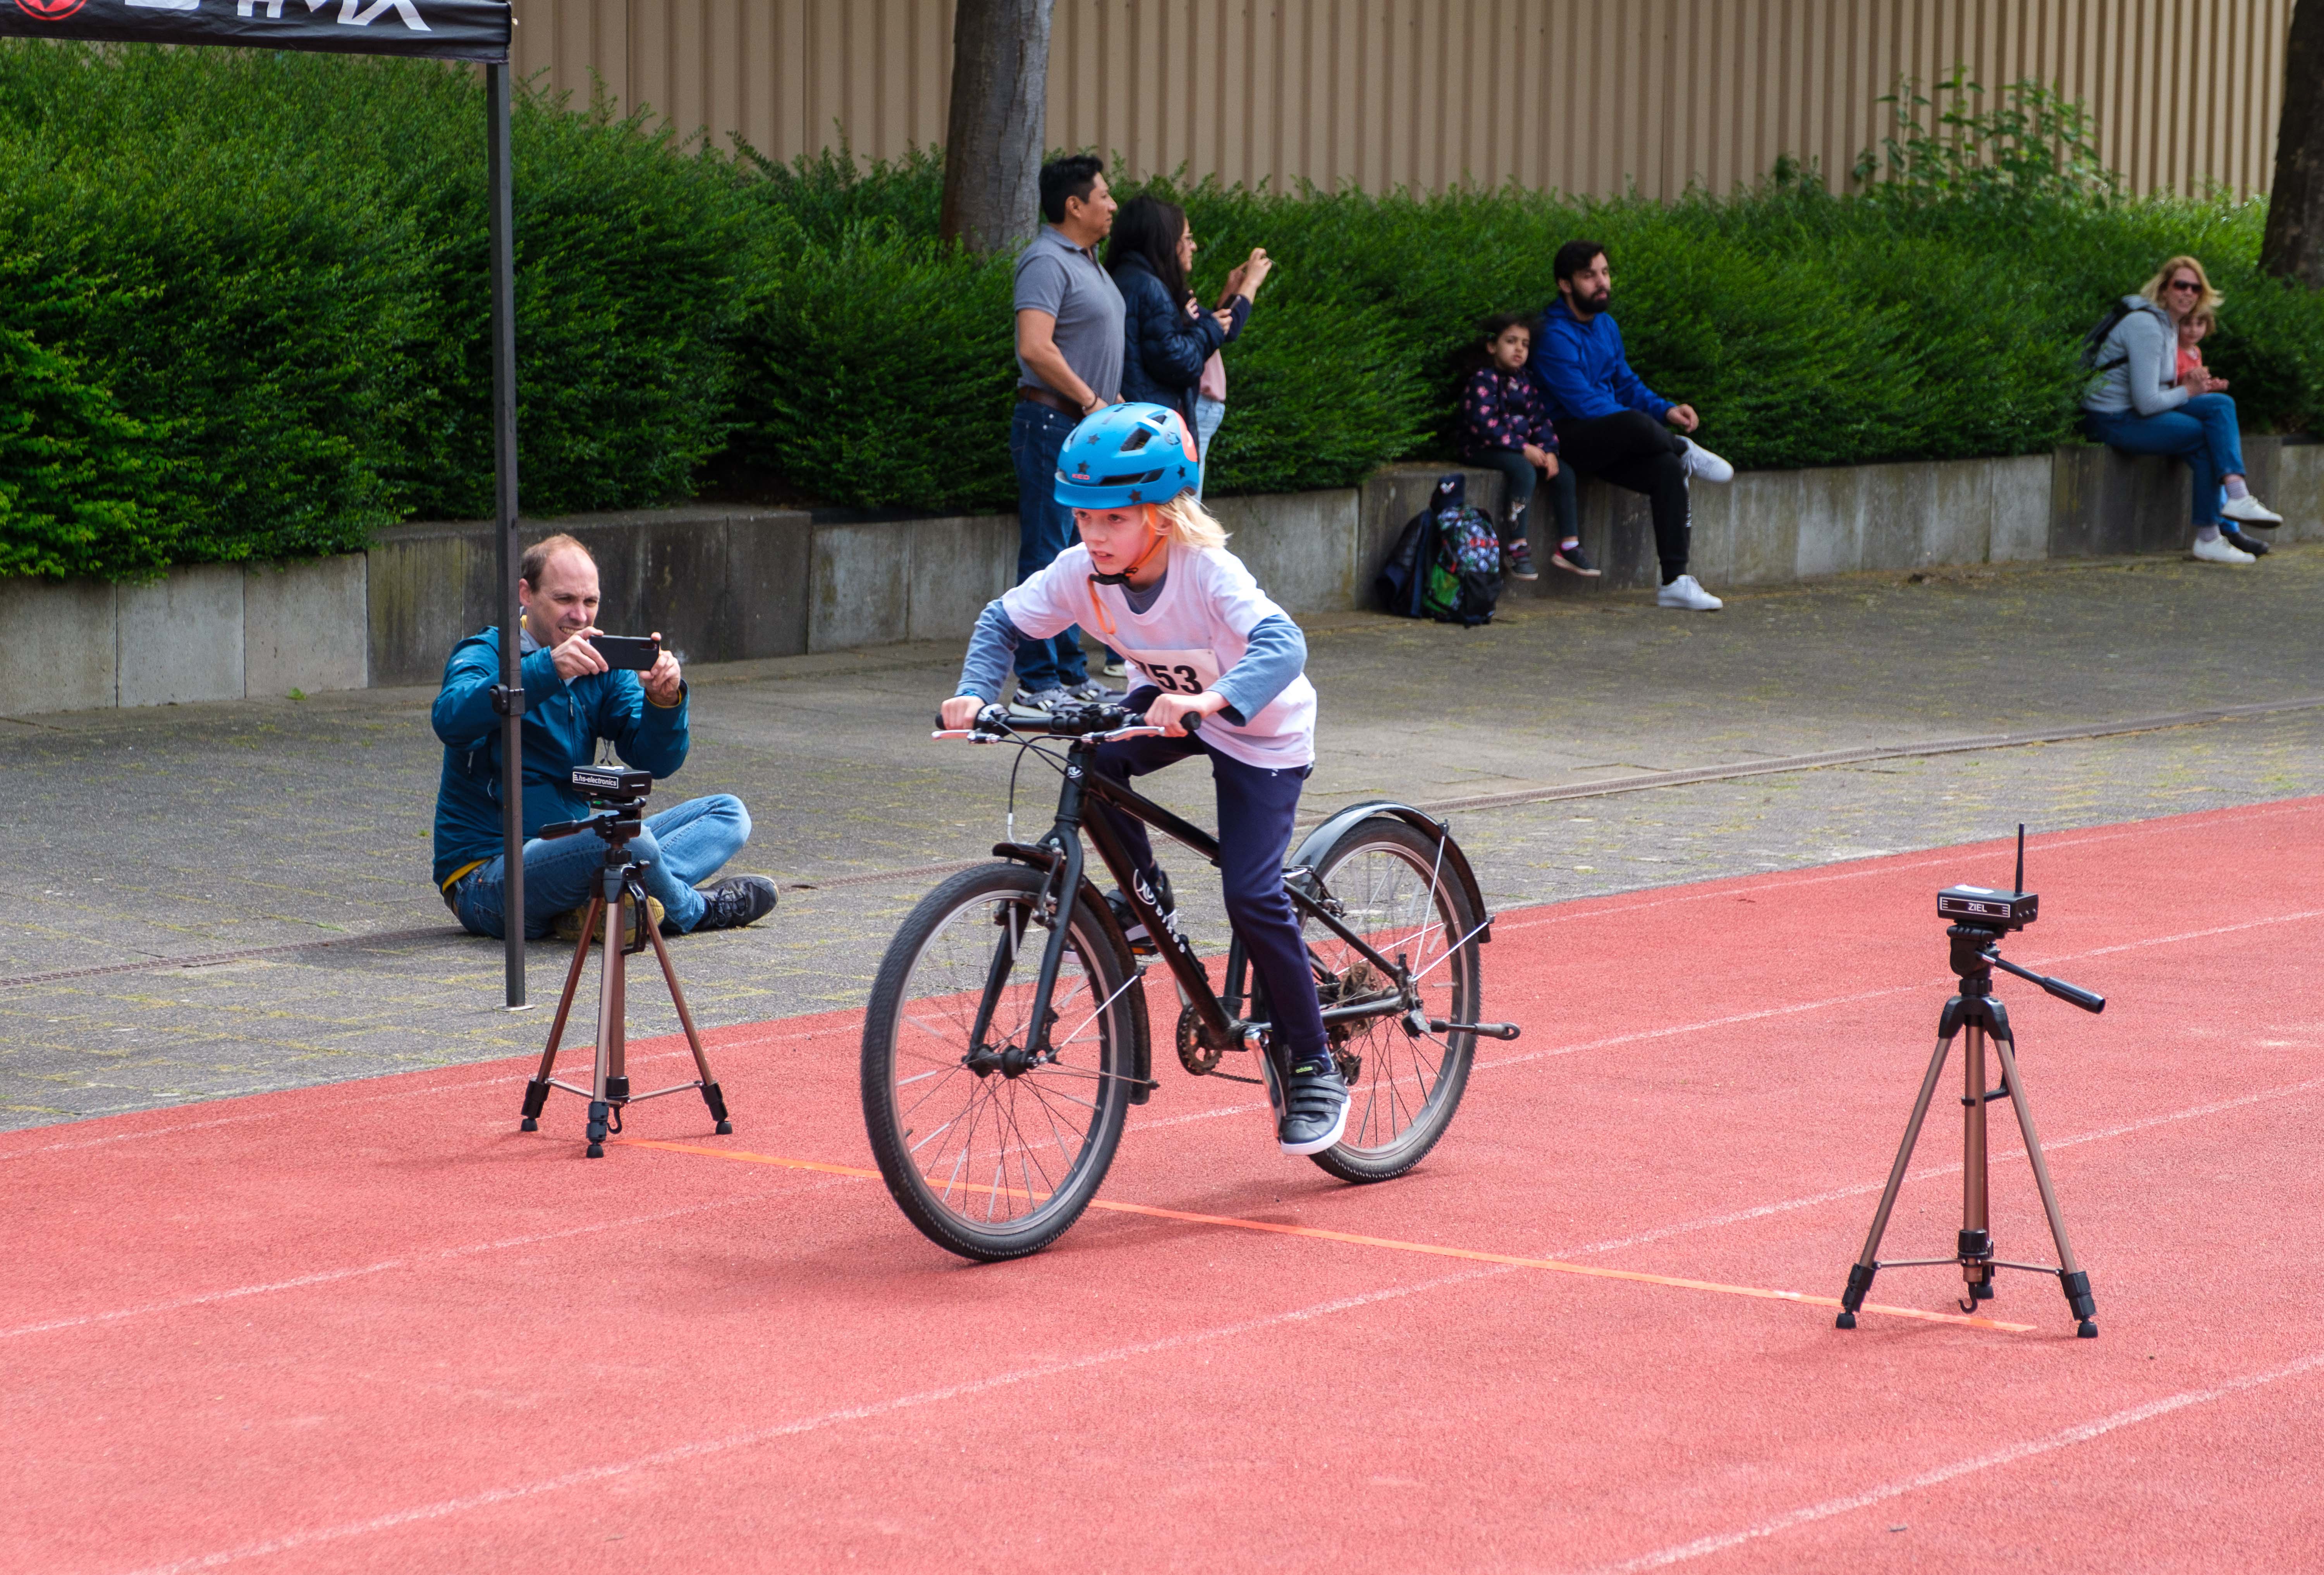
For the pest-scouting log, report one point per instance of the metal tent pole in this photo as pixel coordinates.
(508, 699)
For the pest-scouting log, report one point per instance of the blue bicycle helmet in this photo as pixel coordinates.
(1127, 455)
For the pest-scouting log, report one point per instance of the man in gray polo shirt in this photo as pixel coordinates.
(1069, 347)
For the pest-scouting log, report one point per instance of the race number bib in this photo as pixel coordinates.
(1178, 672)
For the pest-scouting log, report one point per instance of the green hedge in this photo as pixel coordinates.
(260, 301)
(242, 306)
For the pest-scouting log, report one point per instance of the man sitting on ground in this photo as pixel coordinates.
(1610, 424)
(572, 699)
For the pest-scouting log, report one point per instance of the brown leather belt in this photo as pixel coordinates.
(1056, 401)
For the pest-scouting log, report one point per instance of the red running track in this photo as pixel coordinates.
(371, 1327)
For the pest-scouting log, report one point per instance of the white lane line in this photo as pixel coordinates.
(570, 1052)
(1660, 1233)
(2065, 1438)
(1784, 880)
(329, 1276)
(1545, 914)
(680, 1454)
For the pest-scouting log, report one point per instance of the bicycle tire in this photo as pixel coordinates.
(1404, 1096)
(1015, 1155)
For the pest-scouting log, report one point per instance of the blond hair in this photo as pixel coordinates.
(2206, 301)
(1189, 524)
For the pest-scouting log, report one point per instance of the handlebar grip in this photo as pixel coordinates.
(2089, 1000)
(1192, 721)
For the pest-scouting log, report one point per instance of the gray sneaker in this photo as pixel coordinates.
(735, 901)
(1039, 704)
(1093, 693)
(1314, 1107)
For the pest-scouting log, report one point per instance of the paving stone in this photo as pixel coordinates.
(187, 831)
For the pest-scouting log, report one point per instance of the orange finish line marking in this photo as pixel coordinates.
(1555, 1265)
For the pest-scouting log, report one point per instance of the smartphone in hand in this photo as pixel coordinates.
(636, 652)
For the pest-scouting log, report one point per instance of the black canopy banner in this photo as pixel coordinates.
(444, 30)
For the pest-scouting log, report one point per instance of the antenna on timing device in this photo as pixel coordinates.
(2019, 884)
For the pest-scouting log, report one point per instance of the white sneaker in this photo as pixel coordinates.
(1686, 592)
(2249, 510)
(2216, 550)
(1702, 462)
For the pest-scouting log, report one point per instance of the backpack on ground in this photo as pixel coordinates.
(1447, 561)
(2094, 342)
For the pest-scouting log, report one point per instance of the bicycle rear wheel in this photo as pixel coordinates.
(991, 1153)
(1402, 1087)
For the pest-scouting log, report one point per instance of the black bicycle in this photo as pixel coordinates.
(1008, 1030)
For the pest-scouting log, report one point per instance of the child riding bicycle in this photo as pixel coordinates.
(1205, 644)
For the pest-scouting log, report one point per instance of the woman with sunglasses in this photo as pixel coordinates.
(2141, 405)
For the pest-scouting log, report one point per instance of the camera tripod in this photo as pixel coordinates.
(621, 892)
(1984, 1019)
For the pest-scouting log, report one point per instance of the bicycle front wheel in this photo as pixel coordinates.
(1393, 890)
(992, 1149)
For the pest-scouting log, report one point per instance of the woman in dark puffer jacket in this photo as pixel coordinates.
(1167, 336)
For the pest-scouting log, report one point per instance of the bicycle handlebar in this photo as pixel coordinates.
(1102, 723)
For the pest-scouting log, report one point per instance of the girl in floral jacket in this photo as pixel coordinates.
(1505, 426)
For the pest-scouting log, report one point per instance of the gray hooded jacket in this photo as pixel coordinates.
(2145, 346)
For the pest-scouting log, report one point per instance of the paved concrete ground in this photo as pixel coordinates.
(146, 837)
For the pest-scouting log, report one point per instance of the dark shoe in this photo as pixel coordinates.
(1315, 1108)
(2236, 538)
(735, 901)
(1574, 561)
(1516, 562)
(1133, 929)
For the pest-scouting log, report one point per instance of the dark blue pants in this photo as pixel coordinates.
(2203, 432)
(1522, 478)
(1045, 527)
(1255, 810)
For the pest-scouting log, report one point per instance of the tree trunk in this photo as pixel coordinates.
(2293, 246)
(993, 137)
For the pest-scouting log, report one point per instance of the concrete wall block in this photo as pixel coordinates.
(1742, 535)
(180, 640)
(955, 567)
(430, 587)
(1828, 508)
(1390, 497)
(302, 627)
(859, 585)
(661, 570)
(2298, 492)
(1958, 526)
(2104, 502)
(1301, 547)
(2021, 492)
(60, 652)
(769, 559)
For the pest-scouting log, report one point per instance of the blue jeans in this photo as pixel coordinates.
(1522, 479)
(1045, 527)
(2202, 432)
(684, 843)
(1256, 805)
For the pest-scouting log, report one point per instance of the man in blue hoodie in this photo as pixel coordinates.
(572, 700)
(1610, 424)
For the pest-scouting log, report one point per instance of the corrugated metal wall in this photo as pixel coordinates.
(1587, 96)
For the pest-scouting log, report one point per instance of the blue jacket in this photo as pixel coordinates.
(1164, 349)
(562, 725)
(1581, 371)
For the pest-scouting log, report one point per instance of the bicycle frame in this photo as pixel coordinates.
(1218, 1028)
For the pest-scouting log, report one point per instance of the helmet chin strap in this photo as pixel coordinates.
(1161, 538)
(1154, 524)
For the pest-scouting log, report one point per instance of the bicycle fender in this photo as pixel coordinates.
(1133, 999)
(1456, 863)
